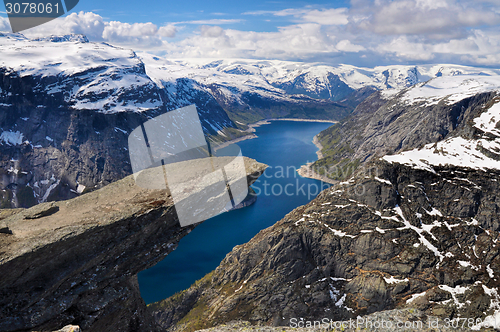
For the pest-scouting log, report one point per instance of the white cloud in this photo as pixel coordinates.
(346, 46)
(89, 24)
(300, 41)
(167, 31)
(327, 17)
(334, 16)
(117, 30)
(215, 21)
(212, 31)
(368, 33)
(142, 35)
(434, 18)
(463, 46)
(405, 50)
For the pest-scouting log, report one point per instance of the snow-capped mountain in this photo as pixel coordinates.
(64, 101)
(477, 146)
(313, 79)
(439, 120)
(86, 76)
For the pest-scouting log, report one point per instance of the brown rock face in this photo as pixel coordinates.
(76, 261)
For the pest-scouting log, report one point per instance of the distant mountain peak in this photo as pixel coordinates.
(64, 38)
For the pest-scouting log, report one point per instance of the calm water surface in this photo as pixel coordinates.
(284, 146)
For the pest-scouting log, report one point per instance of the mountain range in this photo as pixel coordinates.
(68, 104)
(411, 222)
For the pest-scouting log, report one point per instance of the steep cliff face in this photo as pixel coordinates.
(76, 261)
(398, 237)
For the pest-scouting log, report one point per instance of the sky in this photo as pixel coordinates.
(357, 32)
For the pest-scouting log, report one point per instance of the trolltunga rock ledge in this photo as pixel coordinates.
(76, 261)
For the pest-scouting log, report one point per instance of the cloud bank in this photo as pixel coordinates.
(365, 33)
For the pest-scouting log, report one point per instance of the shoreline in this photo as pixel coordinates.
(234, 141)
(302, 120)
(307, 171)
(319, 146)
(251, 129)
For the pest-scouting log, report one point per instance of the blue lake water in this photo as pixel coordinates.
(284, 146)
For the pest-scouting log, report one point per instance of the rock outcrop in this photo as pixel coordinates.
(76, 261)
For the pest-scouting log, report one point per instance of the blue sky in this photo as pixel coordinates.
(358, 32)
(167, 11)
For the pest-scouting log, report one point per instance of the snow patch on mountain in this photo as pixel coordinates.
(456, 151)
(11, 138)
(482, 153)
(65, 38)
(489, 121)
(450, 89)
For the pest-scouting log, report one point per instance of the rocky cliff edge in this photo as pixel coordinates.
(76, 261)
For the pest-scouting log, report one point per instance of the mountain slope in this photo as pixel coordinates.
(415, 229)
(390, 121)
(401, 238)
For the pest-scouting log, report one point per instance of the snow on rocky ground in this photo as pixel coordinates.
(455, 151)
(458, 151)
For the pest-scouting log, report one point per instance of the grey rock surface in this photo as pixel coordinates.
(409, 320)
(411, 239)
